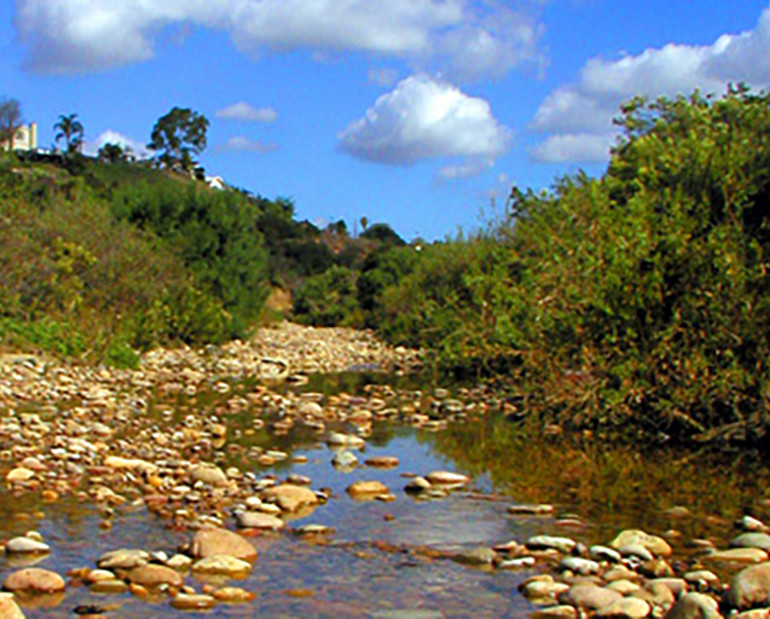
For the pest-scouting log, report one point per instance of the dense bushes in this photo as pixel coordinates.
(637, 300)
(213, 232)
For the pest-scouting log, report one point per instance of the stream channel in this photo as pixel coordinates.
(394, 558)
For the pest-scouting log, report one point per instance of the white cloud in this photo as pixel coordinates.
(423, 118)
(466, 36)
(109, 136)
(243, 144)
(244, 111)
(579, 117)
(574, 147)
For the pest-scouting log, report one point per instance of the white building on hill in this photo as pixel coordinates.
(25, 138)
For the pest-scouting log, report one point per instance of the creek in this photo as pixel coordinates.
(404, 557)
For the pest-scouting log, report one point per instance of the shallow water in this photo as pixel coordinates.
(379, 561)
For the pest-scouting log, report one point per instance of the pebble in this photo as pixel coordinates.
(545, 542)
(26, 545)
(34, 580)
(363, 489)
(193, 601)
(222, 564)
(259, 520)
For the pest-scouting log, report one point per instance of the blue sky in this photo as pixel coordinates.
(418, 113)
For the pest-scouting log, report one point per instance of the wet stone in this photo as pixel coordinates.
(34, 580)
(545, 542)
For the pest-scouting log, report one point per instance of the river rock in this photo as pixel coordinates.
(208, 474)
(738, 555)
(290, 497)
(579, 565)
(26, 545)
(750, 587)
(440, 478)
(344, 460)
(626, 608)
(124, 558)
(130, 464)
(656, 545)
(545, 542)
(694, 606)
(752, 540)
(556, 612)
(542, 587)
(8, 607)
(222, 564)
(338, 439)
(233, 595)
(604, 553)
(19, 474)
(367, 489)
(211, 541)
(589, 597)
(382, 462)
(152, 576)
(34, 580)
(481, 555)
(259, 520)
(747, 523)
(193, 601)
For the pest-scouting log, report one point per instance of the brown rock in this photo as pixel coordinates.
(154, 576)
(211, 541)
(8, 607)
(34, 580)
(290, 497)
(367, 489)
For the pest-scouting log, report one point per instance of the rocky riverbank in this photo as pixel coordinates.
(192, 440)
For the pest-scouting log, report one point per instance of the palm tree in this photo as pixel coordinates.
(71, 130)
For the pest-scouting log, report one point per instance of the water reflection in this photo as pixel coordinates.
(383, 559)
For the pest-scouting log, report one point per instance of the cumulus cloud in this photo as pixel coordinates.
(424, 118)
(574, 147)
(242, 144)
(109, 136)
(579, 117)
(470, 37)
(245, 112)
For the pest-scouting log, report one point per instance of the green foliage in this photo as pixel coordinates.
(178, 135)
(70, 129)
(382, 233)
(328, 299)
(215, 234)
(638, 300)
(10, 120)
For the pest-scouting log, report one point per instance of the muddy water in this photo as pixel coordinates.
(388, 559)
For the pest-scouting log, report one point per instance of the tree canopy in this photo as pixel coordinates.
(177, 136)
(10, 120)
(70, 129)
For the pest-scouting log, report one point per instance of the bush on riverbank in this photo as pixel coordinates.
(636, 300)
(78, 282)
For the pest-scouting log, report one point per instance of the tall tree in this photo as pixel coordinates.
(177, 135)
(10, 121)
(70, 129)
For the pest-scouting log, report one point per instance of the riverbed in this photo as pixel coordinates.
(450, 550)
